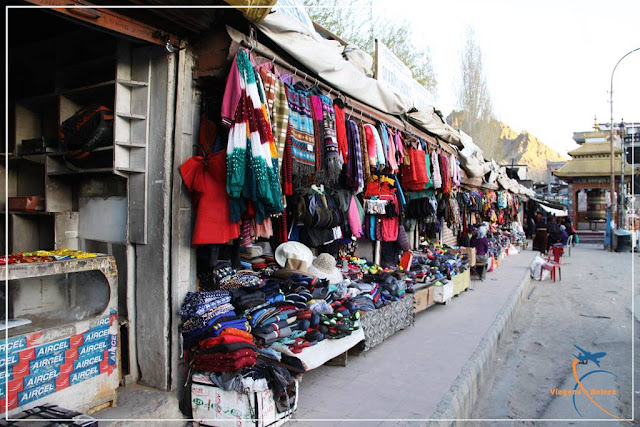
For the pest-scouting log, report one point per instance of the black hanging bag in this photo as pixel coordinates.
(88, 129)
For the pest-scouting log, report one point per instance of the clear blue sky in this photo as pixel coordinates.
(548, 63)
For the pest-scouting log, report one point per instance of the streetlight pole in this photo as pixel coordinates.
(623, 189)
(613, 175)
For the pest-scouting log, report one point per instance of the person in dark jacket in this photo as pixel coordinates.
(531, 228)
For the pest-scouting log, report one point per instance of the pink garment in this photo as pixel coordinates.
(232, 95)
(262, 230)
(371, 146)
(390, 225)
(391, 154)
(353, 217)
(399, 146)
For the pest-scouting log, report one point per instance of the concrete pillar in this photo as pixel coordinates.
(153, 266)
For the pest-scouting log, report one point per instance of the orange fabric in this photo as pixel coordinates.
(237, 332)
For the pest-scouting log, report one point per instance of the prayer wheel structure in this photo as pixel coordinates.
(596, 205)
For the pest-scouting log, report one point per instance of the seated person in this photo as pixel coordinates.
(564, 236)
(481, 243)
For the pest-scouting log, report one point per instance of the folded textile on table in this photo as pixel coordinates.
(198, 303)
(227, 348)
(224, 339)
(209, 318)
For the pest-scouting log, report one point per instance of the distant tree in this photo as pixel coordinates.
(355, 22)
(474, 101)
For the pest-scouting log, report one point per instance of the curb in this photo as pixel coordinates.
(458, 402)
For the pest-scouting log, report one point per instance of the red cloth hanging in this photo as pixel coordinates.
(206, 182)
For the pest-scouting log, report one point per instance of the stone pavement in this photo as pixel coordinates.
(590, 307)
(406, 376)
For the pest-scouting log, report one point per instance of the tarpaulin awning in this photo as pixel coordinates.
(328, 60)
(555, 212)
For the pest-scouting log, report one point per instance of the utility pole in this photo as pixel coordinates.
(613, 175)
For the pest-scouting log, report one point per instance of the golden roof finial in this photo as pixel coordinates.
(596, 126)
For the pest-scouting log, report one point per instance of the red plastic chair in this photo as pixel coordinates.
(556, 252)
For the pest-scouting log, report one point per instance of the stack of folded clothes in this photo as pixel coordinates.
(231, 351)
(258, 257)
(208, 315)
(210, 280)
(242, 278)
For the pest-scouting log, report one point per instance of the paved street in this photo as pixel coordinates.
(406, 376)
(590, 307)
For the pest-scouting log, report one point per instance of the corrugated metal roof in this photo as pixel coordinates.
(591, 148)
(586, 167)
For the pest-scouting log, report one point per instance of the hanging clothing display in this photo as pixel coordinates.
(366, 168)
(302, 135)
(437, 178)
(252, 166)
(205, 179)
(333, 161)
(341, 130)
(354, 173)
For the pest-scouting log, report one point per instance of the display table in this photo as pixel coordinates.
(461, 282)
(317, 355)
(380, 324)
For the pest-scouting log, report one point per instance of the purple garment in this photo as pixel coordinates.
(354, 172)
(481, 245)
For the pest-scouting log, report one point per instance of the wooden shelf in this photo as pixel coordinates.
(131, 170)
(73, 92)
(132, 116)
(128, 144)
(30, 213)
(80, 171)
(95, 150)
(133, 83)
(33, 158)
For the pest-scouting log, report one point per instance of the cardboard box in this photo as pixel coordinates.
(27, 203)
(442, 294)
(213, 406)
(422, 299)
(471, 254)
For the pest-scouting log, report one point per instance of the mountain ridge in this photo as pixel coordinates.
(505, 145)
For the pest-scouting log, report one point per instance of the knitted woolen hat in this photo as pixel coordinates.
(324, 267)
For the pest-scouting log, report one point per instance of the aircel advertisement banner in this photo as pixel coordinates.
(31, 368)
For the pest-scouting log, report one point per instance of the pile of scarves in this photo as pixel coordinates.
(215, 338)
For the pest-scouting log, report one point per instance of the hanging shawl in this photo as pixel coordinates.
(252, 167)
(446, 174)
(374, 144)
(354, 172)
(391, 153)
(384, 138)
(333, 161)
(341, 130)
(428, 162)
(318, 130)
(302, 137)
(366, 169)
(455, 170)
(437, 179)
(287, 165)
(399, 146)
